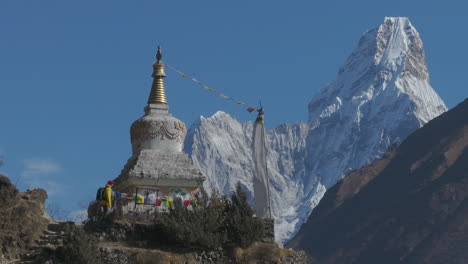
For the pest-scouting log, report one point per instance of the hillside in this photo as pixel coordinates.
(22, 219)
(28, 235)
(409, 207)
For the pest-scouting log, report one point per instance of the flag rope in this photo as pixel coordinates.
(250, 108)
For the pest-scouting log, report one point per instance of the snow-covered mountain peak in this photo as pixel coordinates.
(393, 40)
(219, 119)
(217, 115)
(380, 95)
(399, 47)
(393, 46)
(388, 62)
(395, 19)
(220, 114)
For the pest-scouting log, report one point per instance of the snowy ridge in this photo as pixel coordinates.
(380, 95)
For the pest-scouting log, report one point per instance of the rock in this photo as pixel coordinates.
(22, 219)
(7, 190)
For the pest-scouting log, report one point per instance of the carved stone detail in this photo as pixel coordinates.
(143, 130)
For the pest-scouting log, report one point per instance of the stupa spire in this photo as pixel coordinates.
(158, 94)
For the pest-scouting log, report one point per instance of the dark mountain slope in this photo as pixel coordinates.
(409, 207)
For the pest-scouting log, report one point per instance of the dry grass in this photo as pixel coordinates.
(158, 257)
(151, 256)
(260, 253)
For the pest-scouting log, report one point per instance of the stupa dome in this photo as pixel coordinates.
(157, 130)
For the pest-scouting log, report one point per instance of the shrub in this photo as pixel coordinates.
(78, 247)
(216, 222)
(242, 227)
(202, 227)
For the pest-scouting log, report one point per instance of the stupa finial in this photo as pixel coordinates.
(158, 94)
(158, 55)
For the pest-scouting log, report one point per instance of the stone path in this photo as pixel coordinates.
(51, 239)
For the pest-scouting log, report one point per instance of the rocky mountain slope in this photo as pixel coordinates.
(381, 94)
(409, 207)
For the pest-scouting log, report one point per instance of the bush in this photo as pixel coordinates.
(78, 247)
(242, 227)
(216, 222)
(202, 227)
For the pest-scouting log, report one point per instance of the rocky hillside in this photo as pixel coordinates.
(22, 219)
(123, 242)
(28, 235)
(409, 207)
(380, 95)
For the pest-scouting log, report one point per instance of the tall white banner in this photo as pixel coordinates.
(260, 180)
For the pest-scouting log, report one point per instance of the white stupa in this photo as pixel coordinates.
(157, 161)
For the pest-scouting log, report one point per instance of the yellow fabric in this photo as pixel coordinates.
(140, 199)
(107, 196)
(169, 202)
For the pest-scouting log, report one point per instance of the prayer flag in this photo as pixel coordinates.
(206, 87)
(259, 119)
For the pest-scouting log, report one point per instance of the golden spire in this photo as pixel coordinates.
(158, 95)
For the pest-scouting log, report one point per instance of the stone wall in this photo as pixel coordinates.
(269, 230)
(130, 210)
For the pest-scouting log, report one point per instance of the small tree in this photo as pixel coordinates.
(242, 227)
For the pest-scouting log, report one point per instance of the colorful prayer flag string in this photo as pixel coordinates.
(250, 109)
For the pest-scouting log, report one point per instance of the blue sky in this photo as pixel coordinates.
(75, 74)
